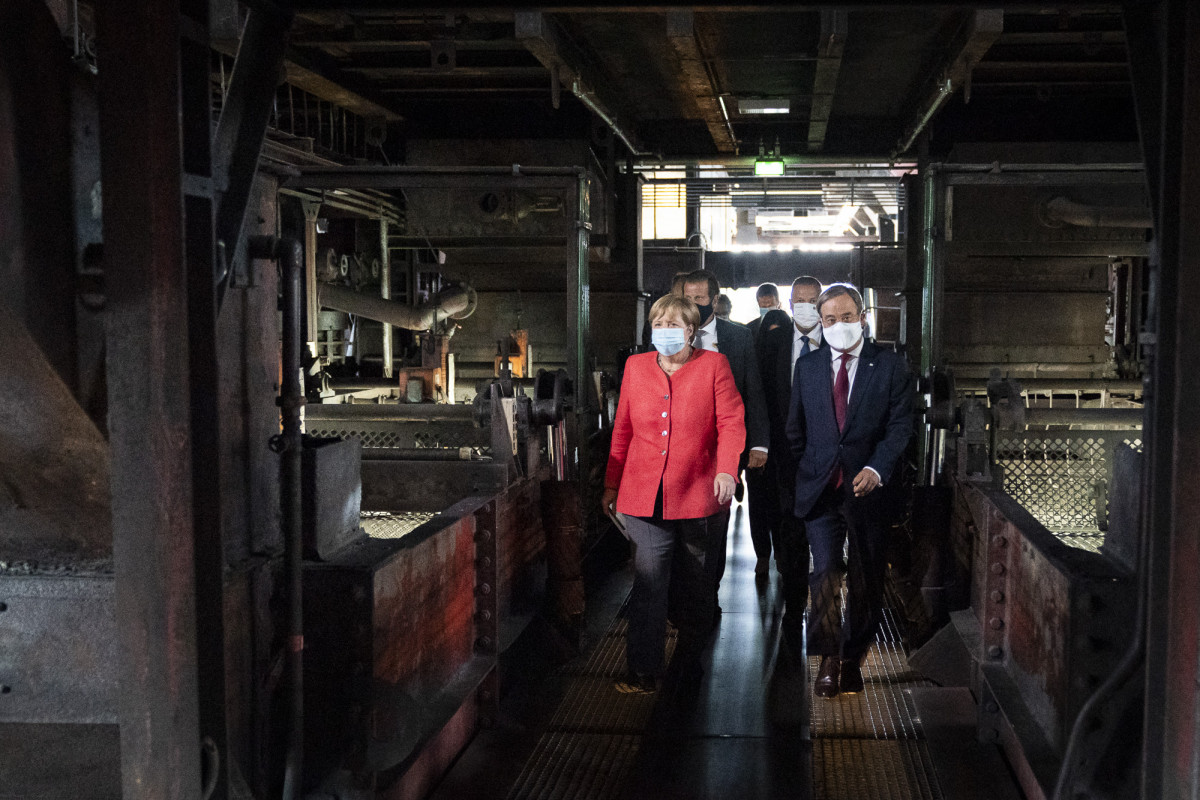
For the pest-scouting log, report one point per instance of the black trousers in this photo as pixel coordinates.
(762, 495)
(837, 518)
(791, 552)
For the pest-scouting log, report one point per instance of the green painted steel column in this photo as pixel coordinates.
(579, 315)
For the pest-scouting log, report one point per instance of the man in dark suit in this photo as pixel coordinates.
(767, 297)
(849, 424)
(779, 350)
(737, 345)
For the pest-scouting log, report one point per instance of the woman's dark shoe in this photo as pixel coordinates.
(851, 680)
(827, 678)
(635, 683)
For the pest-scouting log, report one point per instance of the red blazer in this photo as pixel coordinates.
(677, 432)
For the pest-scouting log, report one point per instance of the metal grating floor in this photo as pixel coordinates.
(601, 745)
(869, 769)
(870, 745)
(595, 734)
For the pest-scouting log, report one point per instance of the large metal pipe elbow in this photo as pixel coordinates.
(1061, 211)
(456, 303)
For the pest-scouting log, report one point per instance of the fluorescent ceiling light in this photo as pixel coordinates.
(758, 106)
(768, 167)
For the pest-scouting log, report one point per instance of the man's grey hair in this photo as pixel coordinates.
(837, 290)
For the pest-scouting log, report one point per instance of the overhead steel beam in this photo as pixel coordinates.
(541, 37)
(834, 27)
(974, 39)
(697, 82)
(309, 71)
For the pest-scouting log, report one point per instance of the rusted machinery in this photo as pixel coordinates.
(1045, 532)
(406, 627)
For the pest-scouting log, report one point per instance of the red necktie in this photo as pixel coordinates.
(841, 398)
(841, 391)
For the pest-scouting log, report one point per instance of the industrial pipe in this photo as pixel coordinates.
(455, 303)
(945, 88)
(1064, 211)
(588, 100)
(290, 255)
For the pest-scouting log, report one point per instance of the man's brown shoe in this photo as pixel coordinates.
(851, 680)
(827, 678)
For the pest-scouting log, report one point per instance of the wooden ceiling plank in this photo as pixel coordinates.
(698, 85)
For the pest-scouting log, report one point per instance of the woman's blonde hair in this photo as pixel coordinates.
(671, 304)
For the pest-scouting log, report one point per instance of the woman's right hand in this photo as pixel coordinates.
(608, 503)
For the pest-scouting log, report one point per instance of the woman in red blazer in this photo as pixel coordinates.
(678, 434)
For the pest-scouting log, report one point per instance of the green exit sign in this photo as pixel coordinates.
(768, 167)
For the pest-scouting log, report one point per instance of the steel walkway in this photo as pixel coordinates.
(748, 729)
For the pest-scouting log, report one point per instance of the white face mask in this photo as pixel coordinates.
(843, 335)
(806, 315)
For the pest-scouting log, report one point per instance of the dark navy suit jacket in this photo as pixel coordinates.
(777, 371)
(879, 420)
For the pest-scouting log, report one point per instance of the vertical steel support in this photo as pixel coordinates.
(312, 315)
(579, 309)
(385, 276)
(148, 386)
(932, 289)
(200, 257)
(635, 218)
(1172, 729)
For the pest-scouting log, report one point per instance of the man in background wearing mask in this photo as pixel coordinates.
(767, 298)
(849, 423)
(779, 351)
(723, 307)
(737, 345)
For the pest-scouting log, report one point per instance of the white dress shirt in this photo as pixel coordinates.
(851, 371)
(814, 341)
(707, 335)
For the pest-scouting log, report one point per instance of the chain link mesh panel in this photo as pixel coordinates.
(393, 524)
(1062, 477)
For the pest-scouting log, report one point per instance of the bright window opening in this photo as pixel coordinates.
(664, 208)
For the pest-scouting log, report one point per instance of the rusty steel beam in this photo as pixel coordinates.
(1173, 451)
(978, 33)
(242, 126)
(148, 386)
(696, 81)
(834, 27)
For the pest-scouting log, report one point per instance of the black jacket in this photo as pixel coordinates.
(775, 367)
(736, 343)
